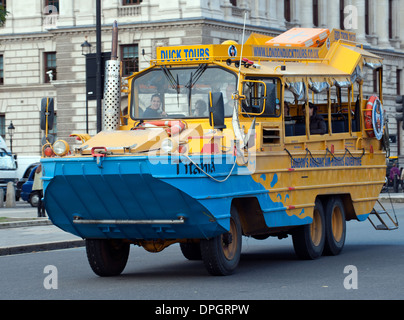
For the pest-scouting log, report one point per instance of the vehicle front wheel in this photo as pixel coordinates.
(221, 254)
(107, 257)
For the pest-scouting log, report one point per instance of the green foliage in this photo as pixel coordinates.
(3, 15)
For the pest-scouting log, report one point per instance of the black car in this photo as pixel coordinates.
(24, 179)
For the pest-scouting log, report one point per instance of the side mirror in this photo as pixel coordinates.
(216, 110)
(47, 114)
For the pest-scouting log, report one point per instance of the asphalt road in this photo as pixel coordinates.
(268, 269)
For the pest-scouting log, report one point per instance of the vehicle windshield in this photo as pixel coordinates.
(7, 162)
(180, 92)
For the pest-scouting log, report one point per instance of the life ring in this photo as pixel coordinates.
(174, 127)
(374, 118)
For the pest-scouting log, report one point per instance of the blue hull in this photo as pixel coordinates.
(138, 188)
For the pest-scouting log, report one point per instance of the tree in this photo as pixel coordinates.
(3, 15)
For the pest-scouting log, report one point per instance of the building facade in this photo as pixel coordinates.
(41, 53)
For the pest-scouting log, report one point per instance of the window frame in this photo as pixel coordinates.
(55, 3)
(1, 69)
(46, 68)
(135, 60)
(131, 2)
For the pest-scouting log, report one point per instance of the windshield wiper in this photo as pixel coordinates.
(174, 83)
(198, 73)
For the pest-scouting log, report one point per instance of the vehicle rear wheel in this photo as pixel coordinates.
(308, 240)
(107, 257)
(221, 254)
(335, 226)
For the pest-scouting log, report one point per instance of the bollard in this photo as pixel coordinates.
(10, 199)
(1, 197)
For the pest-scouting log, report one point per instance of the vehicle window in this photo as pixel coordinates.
(260, 93)
(180, 92)
(7, 162)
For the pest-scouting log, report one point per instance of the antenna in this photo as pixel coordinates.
(239, 134)
(242, 48)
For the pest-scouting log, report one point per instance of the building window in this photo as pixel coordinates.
(375, 81)
(233, 2)
(50, 67)
(315, 13)
(390, 19)
(287, 9)
(367, 11)
(130, 2)
(130, 59)
(3, 3)
(341, 14)
(3, 126)
(1, 69)
(398, 81)
(51, 6)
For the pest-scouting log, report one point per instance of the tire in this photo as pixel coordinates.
(107, 258)
(221, 254)
(335, 227)
(191, 251)
(309, 240)
(34, 199)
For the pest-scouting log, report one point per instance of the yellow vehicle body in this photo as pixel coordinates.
(350, 164)
(305, 150)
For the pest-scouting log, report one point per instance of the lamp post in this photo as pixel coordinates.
(11, 130)
(86, 47)
(86, 50)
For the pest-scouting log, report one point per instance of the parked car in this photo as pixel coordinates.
(26, 191)
(24, 179)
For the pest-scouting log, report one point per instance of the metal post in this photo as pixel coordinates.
(99, 92)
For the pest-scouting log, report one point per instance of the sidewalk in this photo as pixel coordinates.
(32, 234)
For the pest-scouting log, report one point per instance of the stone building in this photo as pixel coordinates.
(41, 53)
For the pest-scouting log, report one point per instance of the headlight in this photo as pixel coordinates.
(61, 148)
(169, 146)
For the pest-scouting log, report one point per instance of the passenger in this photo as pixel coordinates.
(317, 123)
(153, 111)
(201, 109)
(286, 109)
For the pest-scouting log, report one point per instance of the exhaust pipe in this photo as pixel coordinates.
(112, 87)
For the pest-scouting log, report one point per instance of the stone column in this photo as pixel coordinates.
(66, 14)
(333, 14)
(401, 23)
(382, 23)
(360, 31)
(306, 13)
(280, 13)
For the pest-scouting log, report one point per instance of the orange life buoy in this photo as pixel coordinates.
(374, 118)
(173, 126)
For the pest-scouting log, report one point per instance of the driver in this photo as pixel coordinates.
(153, 111)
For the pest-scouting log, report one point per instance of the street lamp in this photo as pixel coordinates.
(86, 47)
(11, 130)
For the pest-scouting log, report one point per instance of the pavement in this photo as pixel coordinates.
(25, 233)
